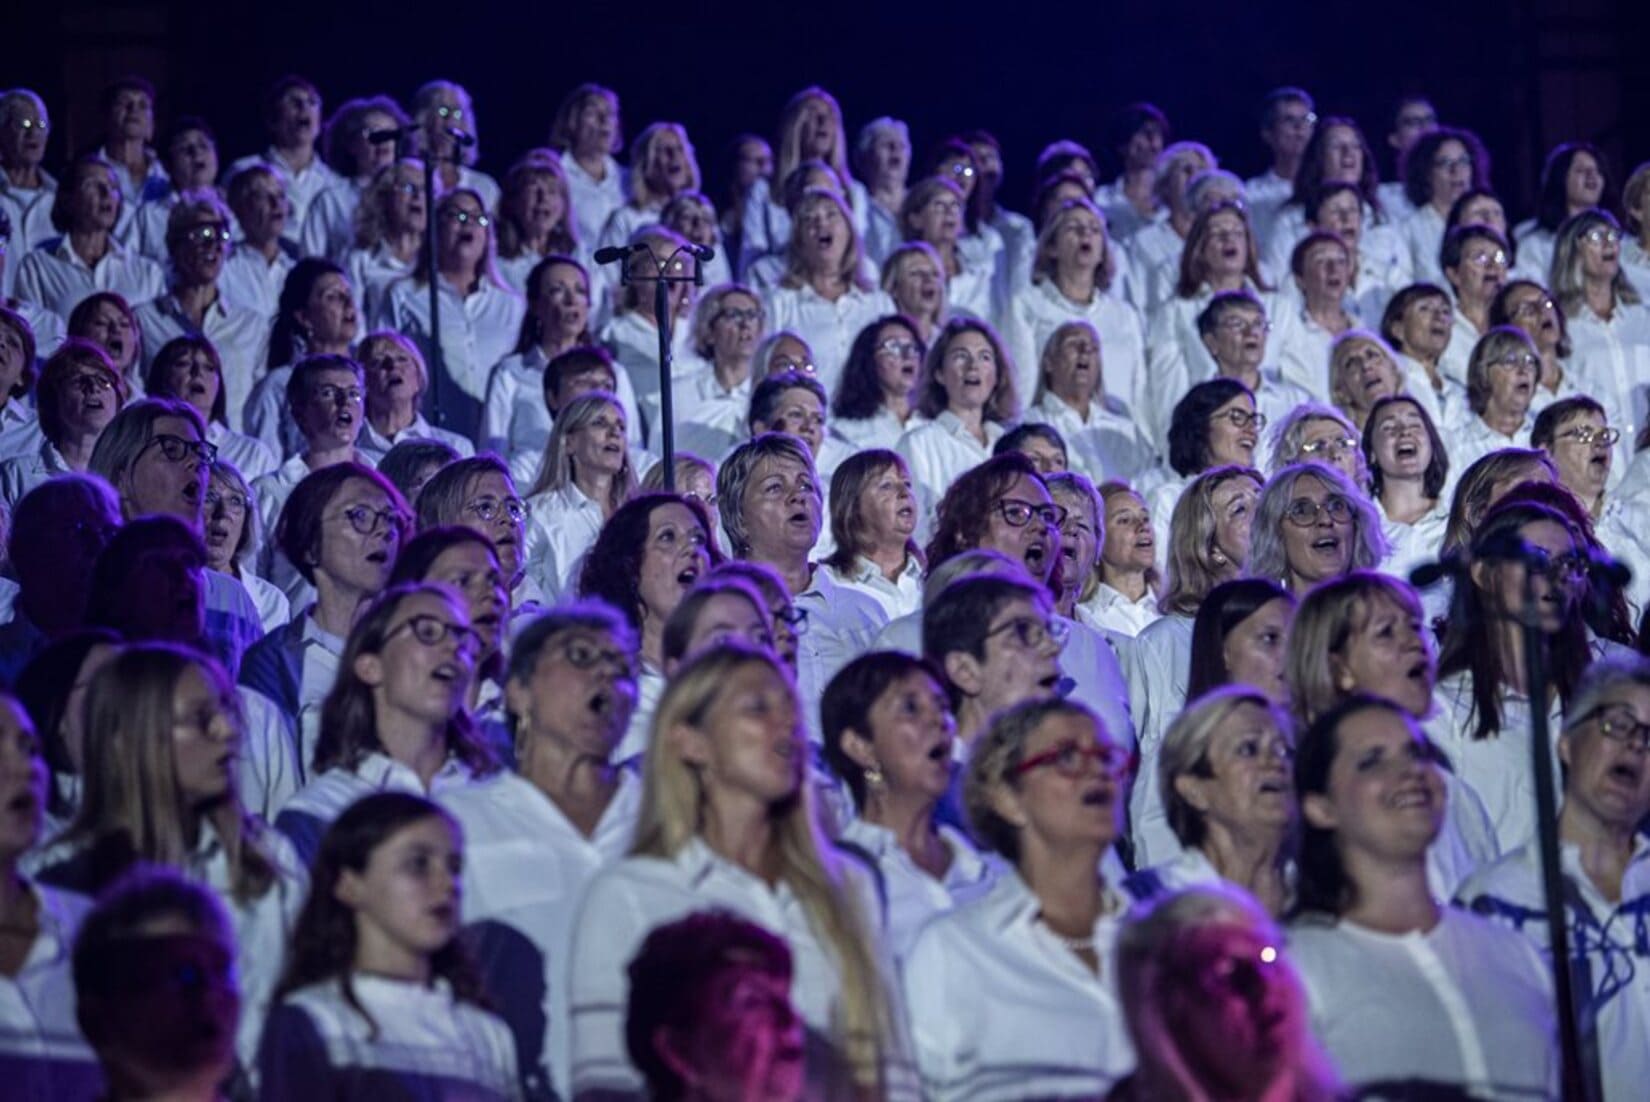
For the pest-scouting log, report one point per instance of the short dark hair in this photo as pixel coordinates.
(1224, 302)
(1455, 243)
(298, 528)
(1392, 318)
(1189, 423)
(402, 463)
(847, 701)
(1277, 97)
(765, 398)
(958, 619)
(1548, 421)
(576, 361)
(1227, 605)
(1014, 440)
(305, 370)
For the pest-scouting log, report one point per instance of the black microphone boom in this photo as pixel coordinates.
(389, 134)
(607, 254)
(460, 137)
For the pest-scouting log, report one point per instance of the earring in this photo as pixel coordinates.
(873, 776)
(1218, 556)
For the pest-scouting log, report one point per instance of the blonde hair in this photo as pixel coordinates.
(788, 154)
(673, 814)
(1185, 751)
(848, 271)
(1324, 621)
(642, 195)
(372, 214)
(1043, 262)
(1192, 569)
(556, 467)
(710, 306)
(892, 266)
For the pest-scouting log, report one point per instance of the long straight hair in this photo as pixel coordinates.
(673, 814)
(556, 466)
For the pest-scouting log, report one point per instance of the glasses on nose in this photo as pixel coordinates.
(1601, 235)
(1518, 362)
(1299, 122)
(1073, 759)
(1242, 419)
(900, 350)
(176, 448)
(1303, 512)
(1245, 326)
(332, 395)
(1221, 237)
(740, 317)
(208, 233)
(91, 385)
(450, 113)
(1334, 447)
(409, 189)
(1450, 164)
(583, 654)
(366, 521)
(1018, 513)
(1587, 436)
(464, 217)
(488, 510)
(1619, 724)
(41, 126)
(234, 504)
(1033, 633)
(791, 363)
(1487, 259)
(1562, 570)
(432, 631)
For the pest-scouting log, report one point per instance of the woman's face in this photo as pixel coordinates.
(223, 519)
(1249, 788)
(563, 302)
(199, 250)
(968, 372)
(192, 160)
(667, 167)
(370, 156)
(673, 560)
(1581, 454)
(911, 736)
(1584, 183)
(1600, 252)
(595, 126)
(163, 481)
(919, 286)
(897, 361)
(1326, 271)
(408, 208)
(96, 204)
(352, 559)
(939, 221)
(205, 737)
(132, 116)
(1554, 591)
(823, 236)
(1234, 507)
(425, 682)
(1044, 454)
(262, 208)
(1388, 653)
(598, 446)
(23, 138)
(1403, 448)
(1074, 368)
(736, 329)
(1363, 374)
(406, 901)
(1131, 545)
(1512, 379)
(752, 162)
(781, 508)
(393, 374)
(472, 569)
(464, 231)
(890, 156)
(1333, 443)
(1143, 147)
(1238, 342)
(1481, 272)
(492, 508)
(816, 130)
(1080, 244)
(1036, 543)
(1427, 325)
(297, 118)
(1451, 173)
(330, 415)
(800, 413)
(1079, 539)
(790, 354)
(1343, 155)
(538, 205)
(112, 329)
(694, 220)
(446, 109)
(1235, 1007)
(1074, 798)
(580, 693)
(1254, 650)
(752, 746)
(1385, 795)
(730, 615)
(1485, 210)
(87, 400)
(1533, 310)
(11, 361)
(194, 377)
(888, 508)
(1317, 533)
(1225, 251)
(22, 782)
(1233, 433)
(1342, 215)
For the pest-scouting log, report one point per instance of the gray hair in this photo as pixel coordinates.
(1199, 187)
(1599, 681)
(132, 428)
(192, 203)
(246, 551)
(710, 306)
(1185, 750)
(867, 136)
(977, 560)
(13, 97)
(1267, 558)
(739, 467)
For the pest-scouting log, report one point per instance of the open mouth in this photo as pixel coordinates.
(601, 702)
(1420, 671)
(380, 557)
(344, 420)
(1273, 786)
(688, 577)
(1101, 795)
(1035, 557)
(444, 913)
(1415, 796)
(116, 347)
(1146, 540)
(940, 751)
(1406, 449)
(1627, 773)
(1327, 545)
(216, 535)
(448, 672)
(1248, 441)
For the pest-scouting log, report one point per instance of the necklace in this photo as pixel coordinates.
(1075, 944)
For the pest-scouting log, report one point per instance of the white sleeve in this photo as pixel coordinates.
(267, 768)
(494, 433)
(934, 1010)
(606, 935)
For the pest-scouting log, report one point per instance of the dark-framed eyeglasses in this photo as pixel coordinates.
(366, 521)
(1033, 633)
(1018, 513)
(176, 449)
(431, 631)
(1618, 724)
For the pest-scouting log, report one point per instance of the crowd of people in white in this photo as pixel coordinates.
(1022, 666)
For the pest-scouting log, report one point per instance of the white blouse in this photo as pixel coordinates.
(43, 1056)
(561, 526)
(53, 276)
(938, 452)
(238, 332)
(829, 328)
(899, 597)
(477, 330)
(1036, 311)
(255, 282)
(1159, 667)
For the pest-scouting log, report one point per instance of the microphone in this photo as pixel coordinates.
(1452, 564)
(460, 138)
(609, 253)
(390, 134)
(704, 253)
(1605, 571)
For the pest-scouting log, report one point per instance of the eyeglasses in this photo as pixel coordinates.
(1241, 418)
(1587, 436)
(1298, 122)
(464, 217)
(963, 172)
(332, 394)
(1018, 513)
(1072, 759)
(790, 363)
(1532, 307)
(487, 510)
(749, 317)
(176, 449)
(1242, 325)
(1334, 446)
(26, 125)
(1303, 512)
(207, 233)
(1517, 361)
(1447, 164)
(231, 503)
(450, 112)
(1601, 235)
(90, 385)
(1487, 259)
(583, 654)
(1619, 724)
(1558, 569)
(408, 188)
(367, 521)
(900, 350)
(1033, 633)
(432, 631)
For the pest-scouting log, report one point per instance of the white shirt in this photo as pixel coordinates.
(239, 333)
(938, 452)
(1606, 942)
(1176, 356)
(710, 419)
(881, 430)
(419, 1042)
(273, 607)
(629, 899)
(840, 626)
(561, 526)
(634, 342)
(515, 421)
(305, 817)
(1465, 1003)
(269, 419)
(371, 272)
(1612, 358)
(829, 328)
(42, 1054)
(254, 282)
(278, 746)
(329, 227)
(477, 330)
(1036, 311)
(53, 275)
(247, 454)
(910, 895)
(1301, 347)
(1445, 403)
(1159, 666)
(375, 445)
(30, 210)
(1413, 544)
(1423, 231)
(650, 686)
(19, 428)
(1473, 439)
(22, 473)
(1109, 610)
(1001, 1010)
(594, 201)
(525, 869)
(302, 185)
(897, 598)
(147, 232)
(1634, 261)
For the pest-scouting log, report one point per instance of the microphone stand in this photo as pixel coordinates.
(438, 361)
(661, 311)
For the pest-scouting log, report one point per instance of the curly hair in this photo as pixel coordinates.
(612, 569)
(858, 392)
(963, 515)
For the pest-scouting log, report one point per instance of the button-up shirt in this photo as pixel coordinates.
(1611, 359)
(711, 419)
(594, 201)
(1110, 610)
(1036, 311)
(375, 445)
(841, 624)
(939, 452)
(53, 276)
(329, 228)
(911, 895)
(255, 282)
(1106, 444)
(43, 1057)
(897, 598)
(307, 815)
(302, 184)
(30, 210)
(561, 525)
(829, 328)
(238, 332)
(371, 272)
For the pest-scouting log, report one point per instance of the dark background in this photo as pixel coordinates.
(1525, 73)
